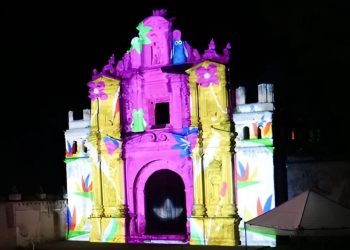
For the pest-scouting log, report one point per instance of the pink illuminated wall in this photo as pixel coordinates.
(144, 89)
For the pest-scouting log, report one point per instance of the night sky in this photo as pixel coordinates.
(49, 50)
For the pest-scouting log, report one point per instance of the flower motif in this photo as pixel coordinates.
(69, 151)
(85, 184)
(143, 32)
(136, 44)
(84, 188)
(267, 207)
(192, 135)
(71, 218)
(111, 144)
(183, 145)
(138, 41)
(207, 76)
(245, 177)
(186, 141)
(96, 91)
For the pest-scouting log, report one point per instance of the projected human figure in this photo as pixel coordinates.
(138, 123)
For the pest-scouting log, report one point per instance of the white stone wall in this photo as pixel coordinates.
(7, 235)
(24, 223)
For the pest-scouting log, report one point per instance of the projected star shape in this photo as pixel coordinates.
(167, 211)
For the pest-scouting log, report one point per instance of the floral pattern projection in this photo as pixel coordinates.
(254, 174)
(79, 179)
(106, 165)
(207, 75)
(150, 77)
(185, 141)
(79, 188)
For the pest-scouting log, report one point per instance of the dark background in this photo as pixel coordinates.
(49, 50)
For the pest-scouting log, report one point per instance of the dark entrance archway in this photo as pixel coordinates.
(165, 203)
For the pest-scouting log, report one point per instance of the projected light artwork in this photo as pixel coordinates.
(254, 161)
(168, 211)
(154, 162)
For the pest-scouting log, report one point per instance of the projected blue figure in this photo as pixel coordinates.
(179, 53)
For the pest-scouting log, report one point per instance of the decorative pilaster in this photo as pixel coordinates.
(95, 152)
(108, 217)
(220, 225)
(198, 209)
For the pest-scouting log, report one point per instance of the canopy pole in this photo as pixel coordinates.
(245, 236)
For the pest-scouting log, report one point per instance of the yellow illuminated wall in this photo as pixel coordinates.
(214, 218)
(108, 211)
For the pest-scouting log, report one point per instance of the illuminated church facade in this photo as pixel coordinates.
(152, 161)
(254, 160)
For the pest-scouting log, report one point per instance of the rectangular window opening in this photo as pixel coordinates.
(162, 116)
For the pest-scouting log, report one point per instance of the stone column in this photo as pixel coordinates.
(198, 209)
(97, 208)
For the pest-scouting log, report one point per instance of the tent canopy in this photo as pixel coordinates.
(309, 213)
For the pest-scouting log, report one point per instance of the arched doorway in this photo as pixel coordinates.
(165, 203)
(246, 133)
